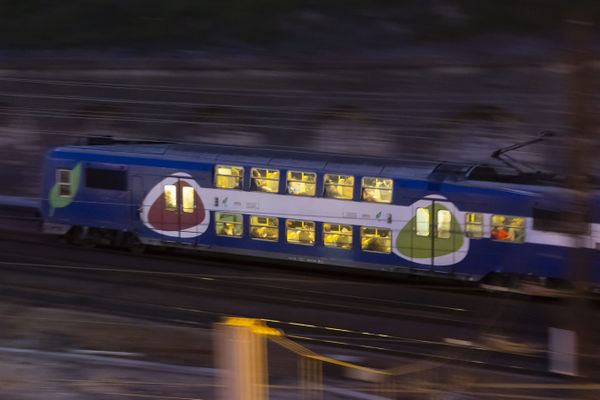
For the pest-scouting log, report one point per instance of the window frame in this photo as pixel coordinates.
(362, 228)
(339, 233)
(276, 227)
(325, 185)
(62, 184)
(363, 187)
(287, 181)
(240, 236)
(254, 187)
(241, 177)
(314, 231)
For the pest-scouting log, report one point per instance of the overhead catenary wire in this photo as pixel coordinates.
(317, 93)
(312, 118)
(225, 121)
(263, 125)
(396, 98)
(257, 128)
(317, 111)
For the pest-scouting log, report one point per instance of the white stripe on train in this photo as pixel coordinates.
(376, 215)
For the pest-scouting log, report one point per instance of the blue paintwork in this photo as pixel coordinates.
(146, 165)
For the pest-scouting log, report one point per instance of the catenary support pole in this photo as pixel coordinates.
(580, 159)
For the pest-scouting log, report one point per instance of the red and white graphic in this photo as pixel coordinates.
(176, 217)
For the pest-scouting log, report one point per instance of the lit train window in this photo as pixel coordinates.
(187, 199)
(422, 221)
(170, 197)
(229, 224)
(264, 180)
(378, 190)
(301, 183)
(63, 177)
(300, 232)
(507, 228)
(377, 240)
(444, 221)
(338, 236)
(229, 177)
(474, 225)
(339, 186)
(264, 228)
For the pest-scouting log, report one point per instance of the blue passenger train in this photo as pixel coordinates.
(463, 222)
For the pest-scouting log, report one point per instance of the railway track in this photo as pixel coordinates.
(331, 335)
(254, 281)
(172, 290)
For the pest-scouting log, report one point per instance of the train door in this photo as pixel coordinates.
(437, 236)
(137, 197)
(179, 212)
(170, 208)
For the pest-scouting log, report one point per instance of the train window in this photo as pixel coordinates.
(301, 183)
(444, 222)
(229, 177)
(264, 228)
(561, 221)
(264, 180)
(170, 197)
(507, 228)
(474, 225)
(187, 199)
(229, 224)
(338, 236)
(377, 240)
(378, 190)
(63, 177)
(339, 186)
(110, 179)
(422, 221)
(300, 232)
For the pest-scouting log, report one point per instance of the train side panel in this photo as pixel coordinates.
(125, 193)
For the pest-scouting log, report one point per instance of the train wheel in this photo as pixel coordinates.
(495, 282)
(78, 236)
(135, 246)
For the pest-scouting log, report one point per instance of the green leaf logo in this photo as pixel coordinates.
(58, 201)
(411, 245)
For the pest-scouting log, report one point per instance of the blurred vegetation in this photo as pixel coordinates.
(198, 23)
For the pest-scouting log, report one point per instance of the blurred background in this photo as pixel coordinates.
(437, 80)
(417, 80)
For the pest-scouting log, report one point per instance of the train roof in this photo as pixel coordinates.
(480, 175)
(261, 156)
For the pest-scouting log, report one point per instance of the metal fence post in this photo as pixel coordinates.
(241, 359)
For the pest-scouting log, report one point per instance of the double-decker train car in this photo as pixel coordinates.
(469, 223)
